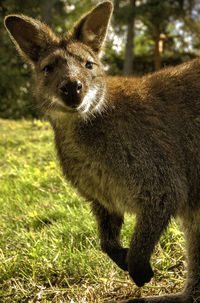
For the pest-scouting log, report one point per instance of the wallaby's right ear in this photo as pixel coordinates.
(29, 35)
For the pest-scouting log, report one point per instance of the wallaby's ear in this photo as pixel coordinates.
(29, 35)
(92, 28)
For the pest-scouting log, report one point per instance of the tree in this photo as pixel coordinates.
(129, 50)
(124, 14)
(156, 15)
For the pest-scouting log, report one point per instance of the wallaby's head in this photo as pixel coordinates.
(68, 72)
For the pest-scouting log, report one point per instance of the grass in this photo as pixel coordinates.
(49, 249)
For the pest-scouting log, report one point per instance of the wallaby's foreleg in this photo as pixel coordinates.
(109, 226)
(150, 224)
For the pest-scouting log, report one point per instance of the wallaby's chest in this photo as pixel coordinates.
(92, 178)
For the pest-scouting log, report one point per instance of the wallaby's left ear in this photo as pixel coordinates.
(92, 28)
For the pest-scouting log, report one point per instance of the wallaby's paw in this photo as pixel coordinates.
(119, 256)
(141, 273)
(121, 259)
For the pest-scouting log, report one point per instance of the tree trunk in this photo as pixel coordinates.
(129, 51)
(157, 55)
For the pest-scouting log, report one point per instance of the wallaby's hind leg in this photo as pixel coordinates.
(192, 235)
(109, 225)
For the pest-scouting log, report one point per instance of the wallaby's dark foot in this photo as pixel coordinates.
(179, 298)
(119, 256)
(141, 273)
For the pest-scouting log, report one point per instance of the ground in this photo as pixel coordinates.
(49, 249)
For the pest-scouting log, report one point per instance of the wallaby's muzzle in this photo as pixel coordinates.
(71, 91)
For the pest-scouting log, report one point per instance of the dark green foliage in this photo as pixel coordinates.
(16, 97)
(113, 61)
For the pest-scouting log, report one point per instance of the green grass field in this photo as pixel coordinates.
(49, 248)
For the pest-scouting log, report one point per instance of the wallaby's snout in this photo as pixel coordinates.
(71, 91)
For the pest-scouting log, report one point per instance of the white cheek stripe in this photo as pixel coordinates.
(88, 100)
(99, 106)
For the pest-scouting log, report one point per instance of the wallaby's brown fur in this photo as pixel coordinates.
(127, 145)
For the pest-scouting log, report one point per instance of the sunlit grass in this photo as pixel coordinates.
(49, 248)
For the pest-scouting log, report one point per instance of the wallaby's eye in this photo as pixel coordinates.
(89, 65)
(47, 69)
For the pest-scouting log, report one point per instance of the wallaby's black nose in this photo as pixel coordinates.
(72, 87)
(71, 92)
(79, 86)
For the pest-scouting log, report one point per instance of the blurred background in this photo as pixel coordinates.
(145, 35)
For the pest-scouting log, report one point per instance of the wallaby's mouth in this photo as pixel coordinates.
(71, 101)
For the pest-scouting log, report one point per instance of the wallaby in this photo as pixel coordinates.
(127, 144)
